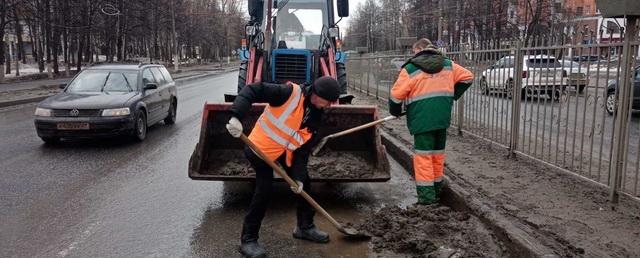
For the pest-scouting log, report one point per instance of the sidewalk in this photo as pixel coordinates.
(37, 90)
(569, 216)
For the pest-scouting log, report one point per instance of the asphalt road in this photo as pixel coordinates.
(114, 198)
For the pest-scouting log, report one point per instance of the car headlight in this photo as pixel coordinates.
(43, 112)
(116, 112)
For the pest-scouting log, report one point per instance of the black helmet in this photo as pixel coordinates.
(327, 88)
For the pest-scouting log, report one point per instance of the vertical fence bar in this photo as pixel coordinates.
(515, 100)
(584, 116)
(575, 121)
(368, 74)
(460, 103)
(622, 120)
(537, 94)
(604, 117)
(377, 79)
(595, 111)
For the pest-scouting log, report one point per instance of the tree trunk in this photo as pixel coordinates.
(156, 49)
(20, 48)
(8, 58)
(34, 43)
(80, 40)
(55, 34)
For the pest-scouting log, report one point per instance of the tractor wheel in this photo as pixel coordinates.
(242, 75)
(341, 71)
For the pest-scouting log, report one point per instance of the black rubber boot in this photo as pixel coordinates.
(252, 250)
(311, 234)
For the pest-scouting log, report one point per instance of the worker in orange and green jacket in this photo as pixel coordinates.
(428, 83)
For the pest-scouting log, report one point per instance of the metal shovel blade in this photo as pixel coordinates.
(354, 234)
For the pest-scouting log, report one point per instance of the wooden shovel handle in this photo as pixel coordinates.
(290, 181)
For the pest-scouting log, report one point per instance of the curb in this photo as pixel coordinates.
(519, 240)
(23, 101)
(41, 98)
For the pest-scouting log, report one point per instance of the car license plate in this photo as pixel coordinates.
(73, 126)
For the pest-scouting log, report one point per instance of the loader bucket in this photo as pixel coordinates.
(357, 157)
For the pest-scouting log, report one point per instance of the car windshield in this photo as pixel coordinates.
(543, 63)
(104, 81)
(299, 24)
(570, 64)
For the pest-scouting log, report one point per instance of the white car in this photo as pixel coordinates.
(577, 75)
(541, 74)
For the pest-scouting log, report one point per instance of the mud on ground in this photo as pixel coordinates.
(571, 216)
(430, 231)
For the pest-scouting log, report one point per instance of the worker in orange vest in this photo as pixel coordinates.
(285, 132)
(428, 83)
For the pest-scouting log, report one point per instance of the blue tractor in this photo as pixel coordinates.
(298, 41)
(303, 43)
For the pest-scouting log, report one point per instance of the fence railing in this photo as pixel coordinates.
(561, 105)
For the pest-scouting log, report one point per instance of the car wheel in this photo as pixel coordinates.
(580, 88)
(242, 75)
(610, 103)
(484, 87)
(171, 117)
(508, 89)
(140, 132)
(555, 94)
(50, 140)
(342, 77)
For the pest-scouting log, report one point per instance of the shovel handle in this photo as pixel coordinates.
(290, 181)
(360, 127)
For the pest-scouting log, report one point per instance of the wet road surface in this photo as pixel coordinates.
(114, 198)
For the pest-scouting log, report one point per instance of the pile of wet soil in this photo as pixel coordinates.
(430, 231)
(331, 164)
(343, 164)
(229, 163)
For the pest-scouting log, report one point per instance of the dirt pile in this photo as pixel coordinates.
(430, 231)
(330, 164)
(343, 164)
(229, 163)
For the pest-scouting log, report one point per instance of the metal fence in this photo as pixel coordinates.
(558, 105)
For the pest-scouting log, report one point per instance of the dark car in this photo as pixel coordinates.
(612, 87)
(586, 58)
(109, 100)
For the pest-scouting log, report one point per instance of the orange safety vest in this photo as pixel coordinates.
(277, 129)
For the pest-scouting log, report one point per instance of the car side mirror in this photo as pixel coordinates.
(150, 86)
(343, 8)
(62, 86)
(491, 67)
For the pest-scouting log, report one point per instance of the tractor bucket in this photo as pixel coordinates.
(356, 157)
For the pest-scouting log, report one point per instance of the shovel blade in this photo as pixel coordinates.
(354, 234)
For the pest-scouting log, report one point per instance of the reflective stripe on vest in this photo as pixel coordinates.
(279, 122)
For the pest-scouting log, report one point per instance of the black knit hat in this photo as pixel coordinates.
(327, 88)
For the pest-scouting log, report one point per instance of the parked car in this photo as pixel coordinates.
(586, 58)
(612, 87)
(108, 100)
(576, 75)
(541, 74)
(388, 69)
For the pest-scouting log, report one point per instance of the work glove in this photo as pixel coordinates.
(234, 127)
(298, 189)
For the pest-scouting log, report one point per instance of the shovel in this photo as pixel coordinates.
(348, 231)
(348, 131)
